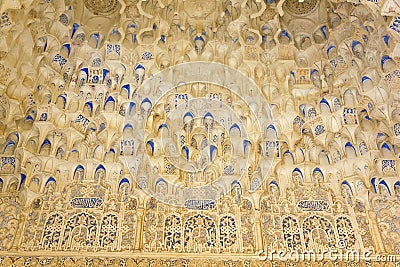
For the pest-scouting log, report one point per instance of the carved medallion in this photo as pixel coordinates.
(300, 8)
(102, 7)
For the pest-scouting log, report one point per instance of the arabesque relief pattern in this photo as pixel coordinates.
(319, 172)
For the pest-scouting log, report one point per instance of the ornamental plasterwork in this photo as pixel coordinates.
(198, 133)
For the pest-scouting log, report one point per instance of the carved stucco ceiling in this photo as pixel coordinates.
(308, 92)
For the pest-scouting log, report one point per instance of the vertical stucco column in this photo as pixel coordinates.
(376, 234)
(139, 229)
(19, 231)
(258, 233)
